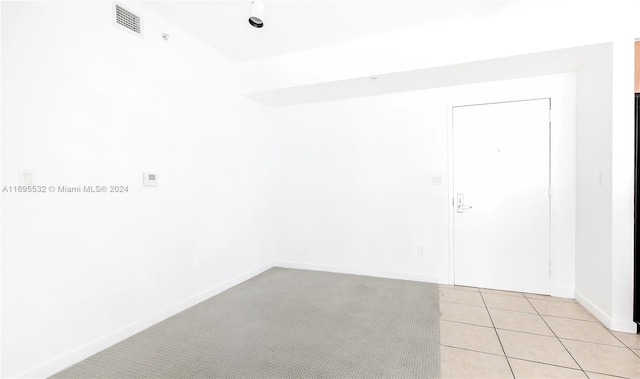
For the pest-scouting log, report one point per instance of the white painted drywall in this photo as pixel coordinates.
(622, 179)
(1, 290)
(593, 197)
(531, 28)
(604, 197)
(357, 188)
(86, 103)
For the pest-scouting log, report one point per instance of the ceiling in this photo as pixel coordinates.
(296, 25)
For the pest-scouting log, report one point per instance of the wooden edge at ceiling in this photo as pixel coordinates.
(637, 67)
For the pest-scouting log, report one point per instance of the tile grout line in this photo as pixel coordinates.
(466, 323)
(551, 298)
(566, 318)
(559, 340)
(497, 335)
(470, 305)
(597, 343)
(488, 291)
(622, 342)
(591, 319)
(548, 364)
(529, 333)
(637, 353)
(472, 350)
(574, 319)
(510, 310)
(601, 373)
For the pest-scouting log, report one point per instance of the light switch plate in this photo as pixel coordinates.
(436, 180)
(150, 179)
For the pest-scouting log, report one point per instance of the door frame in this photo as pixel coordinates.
(560, 88)
(452, 208)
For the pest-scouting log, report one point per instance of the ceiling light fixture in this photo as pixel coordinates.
(256, 19)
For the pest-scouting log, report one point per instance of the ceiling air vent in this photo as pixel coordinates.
(128, 20)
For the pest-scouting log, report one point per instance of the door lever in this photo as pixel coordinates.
(461, 206)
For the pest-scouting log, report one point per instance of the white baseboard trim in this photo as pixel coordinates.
(362, 271)
(565, 292)
(616, 324)
(626, 326)
(594, 309)
(59, 363)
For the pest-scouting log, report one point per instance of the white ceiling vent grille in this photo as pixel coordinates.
(128, 20)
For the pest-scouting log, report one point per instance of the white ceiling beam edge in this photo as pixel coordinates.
(521, 66)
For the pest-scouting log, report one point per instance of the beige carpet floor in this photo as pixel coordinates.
(287, 323)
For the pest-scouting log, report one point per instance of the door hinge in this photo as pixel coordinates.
(549, 192)
(549, 267)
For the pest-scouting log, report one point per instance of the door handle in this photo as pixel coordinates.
(460, 202)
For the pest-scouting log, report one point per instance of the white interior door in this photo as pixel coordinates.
(501, 194)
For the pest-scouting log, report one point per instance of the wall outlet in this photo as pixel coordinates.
(420, 251)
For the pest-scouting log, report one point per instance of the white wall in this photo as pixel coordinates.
(0, 199)
(622, 178)
(593, 196)
(357, 191)
(86, 103)
(604, 217)
(526, 28)
(357, 186)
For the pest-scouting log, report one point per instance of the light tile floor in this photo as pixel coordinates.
(499, 334)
